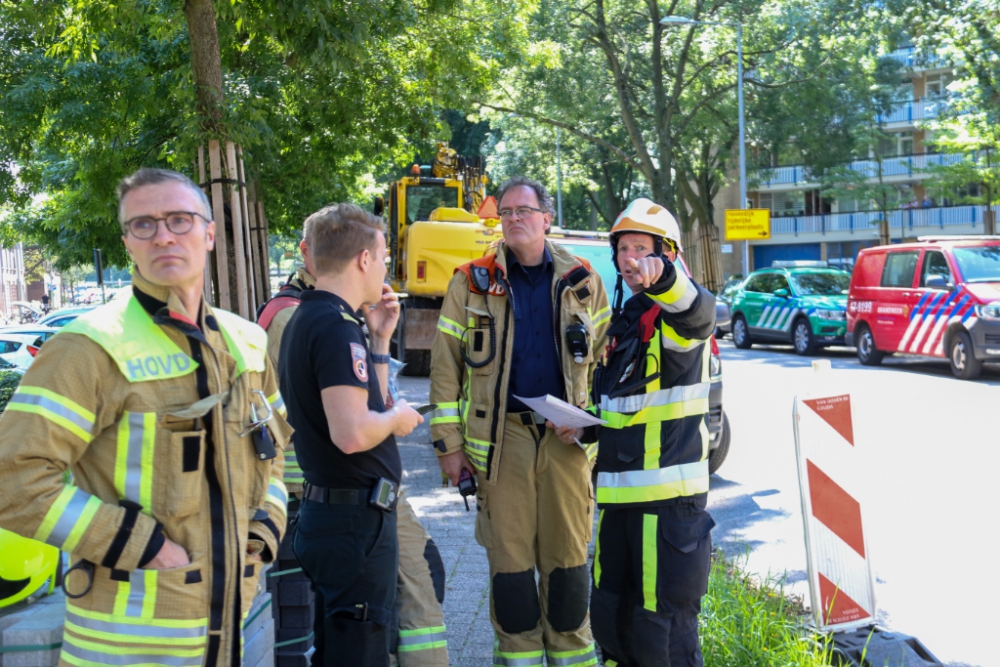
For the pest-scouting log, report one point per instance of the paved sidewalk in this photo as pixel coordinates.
(442, 512)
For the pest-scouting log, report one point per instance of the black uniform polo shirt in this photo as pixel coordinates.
(324, 346)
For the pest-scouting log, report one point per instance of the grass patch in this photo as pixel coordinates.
(746, 623)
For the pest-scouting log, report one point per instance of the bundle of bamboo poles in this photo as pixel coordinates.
(237, 278)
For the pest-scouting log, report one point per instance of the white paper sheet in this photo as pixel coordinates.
(559, 412)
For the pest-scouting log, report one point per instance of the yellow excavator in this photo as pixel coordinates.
(438, 218)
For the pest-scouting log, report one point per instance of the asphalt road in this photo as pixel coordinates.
(929, 444)
(931, 448)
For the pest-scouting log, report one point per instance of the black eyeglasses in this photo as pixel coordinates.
(177, 222)
(520, 211)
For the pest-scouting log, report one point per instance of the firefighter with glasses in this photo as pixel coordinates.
(168, 415)
(653, 547)
(523, 322)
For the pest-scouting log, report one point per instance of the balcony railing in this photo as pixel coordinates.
(910, 111)
(867, 221)
(905, 165)
(908, 58)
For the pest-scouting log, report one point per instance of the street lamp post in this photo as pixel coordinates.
(683, 20)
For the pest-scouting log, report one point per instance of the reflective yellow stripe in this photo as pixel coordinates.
(653, 430)
(422, 639)
(450, 327)
(56, 408)
(132, 639)
(641, 486)
(577, 658)
(198, 626)
(602, 316)
(148, 443)
(659, 413)
(649, 526)
(277, 403)
(131, 651)
(679, 297)
(446, 413)
(597, 550)
(674, 341)
(134, 458)
(293, 471)
(68, 518)
(277, 494)
(519, 659)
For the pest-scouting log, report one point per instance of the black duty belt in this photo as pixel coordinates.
(328, 496)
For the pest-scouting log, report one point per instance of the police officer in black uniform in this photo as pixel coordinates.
(335, 389)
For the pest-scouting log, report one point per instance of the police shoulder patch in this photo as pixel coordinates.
(359, 361)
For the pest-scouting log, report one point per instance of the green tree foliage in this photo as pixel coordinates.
(321, 95)
(9, 380)
(661, 100)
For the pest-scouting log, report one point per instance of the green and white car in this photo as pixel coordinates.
(806, 307)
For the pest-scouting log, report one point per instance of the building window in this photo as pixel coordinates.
(784, 204)
(937, 85)
(896, 143)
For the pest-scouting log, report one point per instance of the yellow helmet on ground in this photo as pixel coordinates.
(25, 566)
(644, 216)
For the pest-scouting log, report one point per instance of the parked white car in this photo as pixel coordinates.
(18, 349)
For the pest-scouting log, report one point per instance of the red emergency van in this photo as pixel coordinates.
(939, 297)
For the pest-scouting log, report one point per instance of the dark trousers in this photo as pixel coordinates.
(650, 571)
(350, 554)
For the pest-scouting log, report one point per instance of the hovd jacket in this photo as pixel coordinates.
(478, 322)
(653, 391)
(147, 412)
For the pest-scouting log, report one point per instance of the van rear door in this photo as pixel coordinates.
(897, 297)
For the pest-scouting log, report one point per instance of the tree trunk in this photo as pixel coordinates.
(206, 64)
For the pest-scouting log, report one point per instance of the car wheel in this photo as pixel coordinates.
(802, 337)
(741, 333)
(718, 455)
(868, 354)
(964, 364)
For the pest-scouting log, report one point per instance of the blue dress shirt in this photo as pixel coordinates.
(535, 368)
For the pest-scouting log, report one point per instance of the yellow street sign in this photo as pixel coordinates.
(751, 224)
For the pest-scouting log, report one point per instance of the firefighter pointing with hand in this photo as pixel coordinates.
(653, 546)
(169, 417)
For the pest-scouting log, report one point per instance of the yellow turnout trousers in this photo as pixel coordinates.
(419, 593)
(538, 516)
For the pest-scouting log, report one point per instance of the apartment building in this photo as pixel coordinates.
(12, 286)
(806, 225)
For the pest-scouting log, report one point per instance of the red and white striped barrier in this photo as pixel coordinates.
(840, 578)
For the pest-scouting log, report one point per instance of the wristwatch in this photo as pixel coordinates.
(380, 358)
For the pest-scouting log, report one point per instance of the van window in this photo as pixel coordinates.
(7, 346)
(899, 269)
(935, 265)
(778, 281)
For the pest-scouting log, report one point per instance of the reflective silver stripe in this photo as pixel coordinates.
(483, 449)
(67, 520)
(278, 403)
(277, 492)
(133, 469)
(412, 640)
(517, 662)
(573, 659)
(451, 328)
(638, 478)
(444, 412)
(135, 630)
(681, 303)
(290, 457)
(55, 408)
(136, 593)
(130, 659)
(631, 404)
